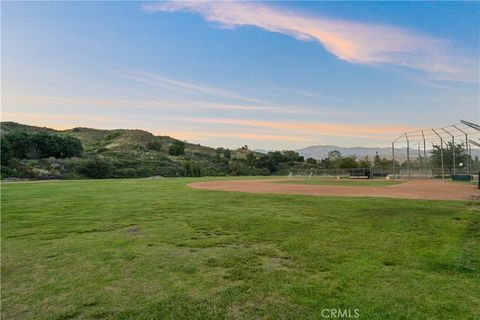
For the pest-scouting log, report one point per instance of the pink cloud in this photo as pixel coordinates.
(306, 128)
(355, 42)
(203, 135)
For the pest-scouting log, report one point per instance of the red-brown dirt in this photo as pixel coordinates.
(413, 189)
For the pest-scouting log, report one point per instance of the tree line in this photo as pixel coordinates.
(37, 145)
(46, 155)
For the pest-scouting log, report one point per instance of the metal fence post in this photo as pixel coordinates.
(408, 155)
(393, 159)
(453, 148)
(441, 153)
(467, 156)
(424, 154)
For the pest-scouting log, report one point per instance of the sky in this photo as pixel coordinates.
(270, 75)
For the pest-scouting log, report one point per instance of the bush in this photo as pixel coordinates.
(177, 148)
(154, 145)
(126, 173)
(97, 168)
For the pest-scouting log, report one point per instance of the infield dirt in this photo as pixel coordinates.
(413, 189)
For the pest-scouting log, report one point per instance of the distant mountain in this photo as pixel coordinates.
(321, 151)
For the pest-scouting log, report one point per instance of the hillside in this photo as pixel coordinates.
(43, 153)
(114, 140)
(126, 153)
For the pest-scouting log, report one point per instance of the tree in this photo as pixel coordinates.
(67, 147)
(448, 149)
(6, 150)
(237, 168)
(385, 163)
(364, 163)
(291, 155)
(251, 158)
(19, 143)
(37, 145)
(476, 163)
(347, 162)
(177, 148)
(334, 155)
(227, 154)
(377, 160)
(326, 163)
(264, 162)
(311, 160)
(276, 157)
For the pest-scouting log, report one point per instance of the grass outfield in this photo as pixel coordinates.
(344, 182)
(155, 248)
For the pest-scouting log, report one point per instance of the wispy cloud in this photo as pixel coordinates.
(66, 121)
(219, 129)
(355, 42)
(10, 101)
(173, 84)
(206, 135)
(307, 128)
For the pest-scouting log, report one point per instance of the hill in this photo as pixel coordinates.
(43, 153)
(128, 153)
(117, 139)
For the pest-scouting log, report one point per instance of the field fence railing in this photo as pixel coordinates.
(384, 173)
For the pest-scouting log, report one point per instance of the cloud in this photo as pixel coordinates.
(355, 42)
(11, 101)
(249, 129)
(307, 128)
(173, 84)
(207, 135)
(67, 121)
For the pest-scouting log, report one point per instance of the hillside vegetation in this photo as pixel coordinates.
(27, 152)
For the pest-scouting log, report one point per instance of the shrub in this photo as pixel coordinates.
(177, 148)
(97, 168)
(154, 145)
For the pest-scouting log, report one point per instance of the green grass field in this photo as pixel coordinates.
(345, 182)
(157, 249)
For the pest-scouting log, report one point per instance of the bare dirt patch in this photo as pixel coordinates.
(413, 189)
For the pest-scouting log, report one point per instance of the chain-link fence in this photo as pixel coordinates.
(438, 152)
